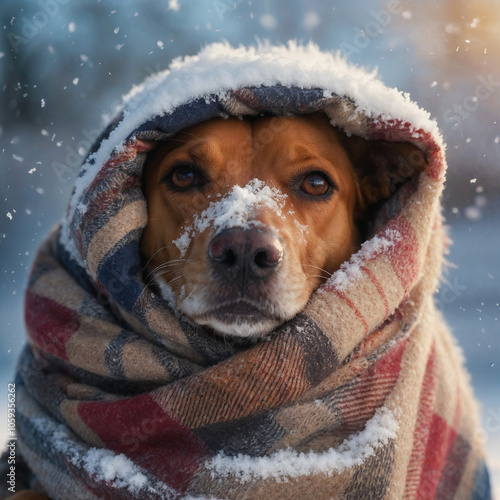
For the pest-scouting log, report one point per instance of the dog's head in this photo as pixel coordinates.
(248, 217)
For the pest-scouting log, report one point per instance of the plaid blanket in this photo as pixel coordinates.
(362, 395)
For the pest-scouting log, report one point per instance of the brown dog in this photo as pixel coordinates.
(244, 260)
(248, 217)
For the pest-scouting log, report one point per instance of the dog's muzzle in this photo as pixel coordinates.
(243, 256)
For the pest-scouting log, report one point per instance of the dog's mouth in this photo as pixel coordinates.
(240, 318)
(239, 309)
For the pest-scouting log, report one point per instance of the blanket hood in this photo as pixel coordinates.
(362, 395)
(221, 81)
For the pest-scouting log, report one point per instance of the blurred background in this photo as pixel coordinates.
(65, 64)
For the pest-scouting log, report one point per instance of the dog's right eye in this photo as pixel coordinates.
(183, 177)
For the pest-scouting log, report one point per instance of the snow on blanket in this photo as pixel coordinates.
(353, 269)
(309, 410)
(102, 465)
(286, 464)
(219, 68)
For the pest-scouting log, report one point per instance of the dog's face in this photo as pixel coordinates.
(248, 217)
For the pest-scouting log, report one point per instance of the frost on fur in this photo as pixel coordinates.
(235, 209)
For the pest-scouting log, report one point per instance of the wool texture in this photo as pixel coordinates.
(362, 395)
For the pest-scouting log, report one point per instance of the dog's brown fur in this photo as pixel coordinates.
(283, 152)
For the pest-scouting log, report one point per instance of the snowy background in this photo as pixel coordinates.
(64, 65)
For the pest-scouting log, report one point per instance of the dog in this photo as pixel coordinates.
(297, 350)
(296, 192)
(294, 195)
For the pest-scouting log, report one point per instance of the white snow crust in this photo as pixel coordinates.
(351, 271)
(235, 209)
(286, 464)
(103, 465)
(120, 472)
(219, 68)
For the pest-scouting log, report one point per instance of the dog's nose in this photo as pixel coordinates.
(245, 254)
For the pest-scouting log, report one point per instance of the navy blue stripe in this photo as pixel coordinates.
(118, 271)
(252, 436)
(482, 487)
(193, 112)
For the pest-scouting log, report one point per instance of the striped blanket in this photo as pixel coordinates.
(362, 395)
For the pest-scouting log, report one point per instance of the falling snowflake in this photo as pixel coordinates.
(268, 21)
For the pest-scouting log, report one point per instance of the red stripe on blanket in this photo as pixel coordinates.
(456, 461)
(439, 443)
(247, 97)
(378, 287)
(49, 324)
(404, 253)
(436, 167)
(139, 428)
(127, 154)
(350, 303)
(422, 426)
(370, 389)
(447, 467)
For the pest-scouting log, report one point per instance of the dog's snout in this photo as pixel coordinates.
(245, 254)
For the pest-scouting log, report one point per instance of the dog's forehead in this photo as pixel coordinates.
(297, 137)
(216, 128)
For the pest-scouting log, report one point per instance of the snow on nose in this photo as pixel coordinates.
(235, 209)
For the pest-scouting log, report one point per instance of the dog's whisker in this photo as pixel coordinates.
(146, 286)
(195, 288)
(310, 276)
(149, 260)
(155, 275)
(175, 279)
(164, 273)
(170, 263)
(319, 268)
(143, 290)
(175, 261)
(162, 267)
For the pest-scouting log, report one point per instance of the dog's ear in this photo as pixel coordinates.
(382, 166)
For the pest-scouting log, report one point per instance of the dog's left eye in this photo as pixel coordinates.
(183, 177)
(316, 184)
